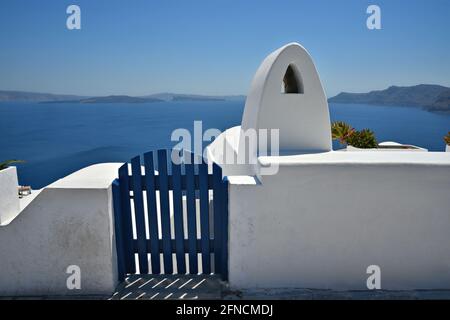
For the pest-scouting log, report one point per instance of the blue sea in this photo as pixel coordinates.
(57, 139)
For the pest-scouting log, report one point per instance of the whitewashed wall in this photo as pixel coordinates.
(324, 218)
(9, 199)
(69, 223)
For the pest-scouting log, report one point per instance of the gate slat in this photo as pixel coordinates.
(204, 217)
(218, 205)
(126, 219)
(178, 218)
(139, 214)
(191, 216)
(152, 212)
(165, 213)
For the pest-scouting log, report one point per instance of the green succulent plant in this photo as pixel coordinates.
(341, 131)
(7, 163)
(363, 139)
(447, 139)
(347, 135)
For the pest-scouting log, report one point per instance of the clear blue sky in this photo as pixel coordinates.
(214, 47)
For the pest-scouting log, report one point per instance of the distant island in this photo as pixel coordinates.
(427, 96)
(108, 99)
(22, 96)
(430, 97)
(185, 98)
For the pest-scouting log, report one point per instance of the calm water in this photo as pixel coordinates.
(57, 139)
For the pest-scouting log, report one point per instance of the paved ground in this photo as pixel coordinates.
(187, 287)
(315, 294)
(157, 287)
(150, 287)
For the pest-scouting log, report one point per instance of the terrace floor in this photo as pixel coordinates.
(201, 287)
(188, 287)
(169, 287)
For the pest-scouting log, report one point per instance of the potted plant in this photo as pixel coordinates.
(363, 139)
(341, 131)
(348, 136)
(447, 142)
(5, 164)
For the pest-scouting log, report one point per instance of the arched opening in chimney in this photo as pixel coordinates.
(292, 81)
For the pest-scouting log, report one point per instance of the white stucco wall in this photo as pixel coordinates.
(9, 199)
(70, 222)
(324, 218)
(318, 218)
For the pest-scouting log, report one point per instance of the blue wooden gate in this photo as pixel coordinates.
(150, 221)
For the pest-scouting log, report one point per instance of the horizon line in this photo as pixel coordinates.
(203, 94)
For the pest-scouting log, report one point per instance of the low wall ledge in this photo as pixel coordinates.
(359, 158)
(97, 176)
(243, 180)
